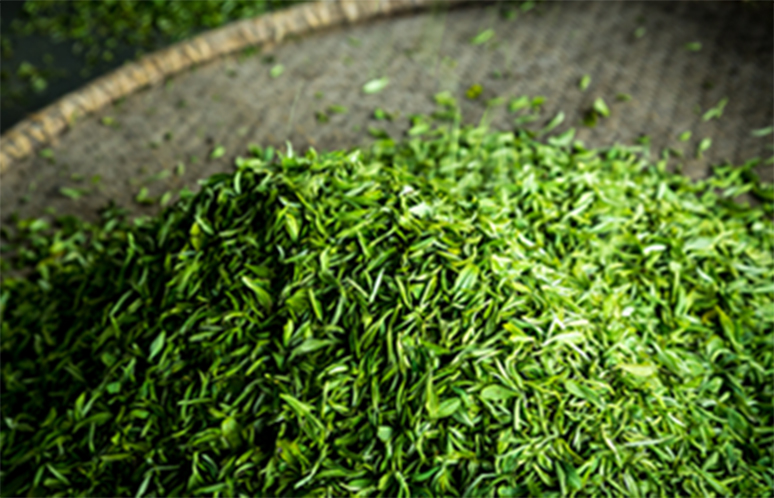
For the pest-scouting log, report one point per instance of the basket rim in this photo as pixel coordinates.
(268, 30)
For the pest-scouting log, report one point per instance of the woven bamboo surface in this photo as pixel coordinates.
(329, 50)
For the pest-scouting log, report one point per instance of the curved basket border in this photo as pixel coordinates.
(268, 30)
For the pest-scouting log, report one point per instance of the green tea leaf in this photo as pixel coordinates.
(445, 99)
(291, 225)
(583, 392)
(300, 408)
(195, 235)
(263, 297)
(517, 104)
(158, 344)
(703, 146)
(231, 431)
(47, 153)
(574, 482)
(497, 393)
(638, 370)
(72, 193)
(142, 196)
(448, 407)
(309, 346)
(337, 109)
(431, 400)
(218, 152)
(693, 46)
(474, 91)
(467, 278)
(376, 86)
(716, 111)
(482, 37)
(567, 337)
(384, 433)
(584, 82)
(762, 132)
(315, 305)
(601, 108)
(556, 121)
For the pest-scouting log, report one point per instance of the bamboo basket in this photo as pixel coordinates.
(177, 105)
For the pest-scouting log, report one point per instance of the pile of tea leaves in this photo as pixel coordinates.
(463, 313)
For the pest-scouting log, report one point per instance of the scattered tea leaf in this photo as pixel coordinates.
(376, 86)
(47, 154)
(142, 196)
(584, 82)
(517, 104)
(218, 152)
(166, 197)
(277, 71)
(716, 111)
(72, 193)
(762, 132)
(601, 108)
(337, 109)
(693, 46)
(556, 121)
(703, 146)
(482, 37)
(474, 91)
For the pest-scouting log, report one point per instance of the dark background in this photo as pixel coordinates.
(62, 74)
